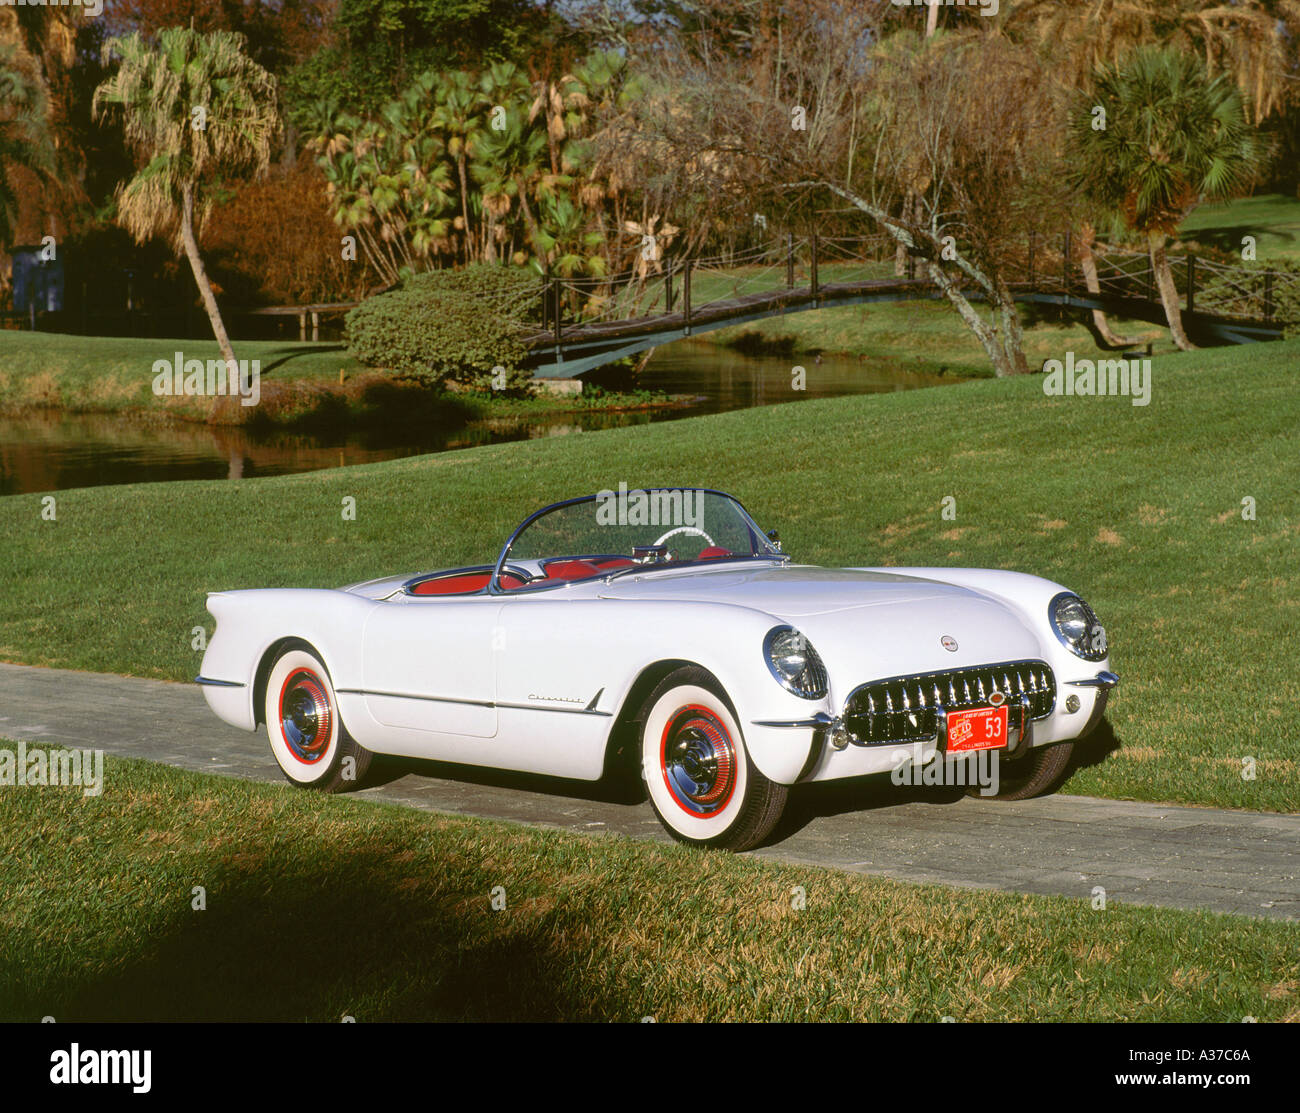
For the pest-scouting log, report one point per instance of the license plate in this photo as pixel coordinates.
(980, 728)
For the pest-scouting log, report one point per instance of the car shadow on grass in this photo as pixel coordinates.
(808, 802)
(306, 936)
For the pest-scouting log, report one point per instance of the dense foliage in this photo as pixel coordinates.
(450, 327)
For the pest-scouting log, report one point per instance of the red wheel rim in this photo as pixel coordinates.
(698, 761)
(306, 717)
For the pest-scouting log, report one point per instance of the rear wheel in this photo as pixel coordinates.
(307, 736)
(701, 783)
(1038, 773)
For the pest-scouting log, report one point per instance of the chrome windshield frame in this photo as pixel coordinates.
(494, 585)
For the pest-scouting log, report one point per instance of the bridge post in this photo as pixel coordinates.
(1191, 283)
(686, 294)
(789, 260)
(1268, 296)
(1151, 278)
(559, 315)
(546, 297)
(815, 286)
(668, 288)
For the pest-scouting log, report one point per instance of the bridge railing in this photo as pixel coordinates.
(790, 266)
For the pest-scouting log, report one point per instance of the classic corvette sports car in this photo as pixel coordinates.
(667, 623)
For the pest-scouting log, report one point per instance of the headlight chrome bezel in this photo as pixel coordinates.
(811, 681)
(1094, 645)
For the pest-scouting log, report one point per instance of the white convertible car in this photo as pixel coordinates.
(666, 621)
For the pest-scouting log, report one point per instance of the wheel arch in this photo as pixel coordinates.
(622, 744)
(266, 663)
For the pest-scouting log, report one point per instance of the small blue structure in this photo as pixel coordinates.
(38, 283)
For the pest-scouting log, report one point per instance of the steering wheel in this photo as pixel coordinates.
(686, 529)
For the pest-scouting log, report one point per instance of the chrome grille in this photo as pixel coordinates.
(902, 709)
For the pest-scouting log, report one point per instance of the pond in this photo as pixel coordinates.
(52, 452)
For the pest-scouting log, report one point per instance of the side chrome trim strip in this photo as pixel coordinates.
(211, 683)
(474, 702)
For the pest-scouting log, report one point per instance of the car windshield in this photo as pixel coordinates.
(614, 531)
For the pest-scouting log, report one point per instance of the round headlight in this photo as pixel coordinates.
(1077, 627)
(793, 661)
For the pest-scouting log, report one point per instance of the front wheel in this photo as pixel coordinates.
(307, 736)
(701, 783)
(1038, 773)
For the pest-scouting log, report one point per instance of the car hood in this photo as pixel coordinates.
(863, 624)
(788, 592)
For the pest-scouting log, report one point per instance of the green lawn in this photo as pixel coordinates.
(924, 336)
(320, 907)
(1139, 509)
(1273, 219)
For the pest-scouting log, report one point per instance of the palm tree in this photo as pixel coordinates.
(24, 137)
(1246, 39)
(459, 117)
(1174, 137)
(160, 89)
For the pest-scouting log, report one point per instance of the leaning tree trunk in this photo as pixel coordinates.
(1168, 291)
(1088, 237)
(224, 408)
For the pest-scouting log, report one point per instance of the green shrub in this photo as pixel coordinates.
(450, 326)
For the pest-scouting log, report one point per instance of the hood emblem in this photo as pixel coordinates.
(997, 699)
(949, 643)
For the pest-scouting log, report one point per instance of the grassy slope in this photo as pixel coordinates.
(1274, 221)
(320, 907)
(922, 335)
(1139, 509)
(111, 374)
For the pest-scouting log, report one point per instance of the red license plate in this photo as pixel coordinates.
(980, 728)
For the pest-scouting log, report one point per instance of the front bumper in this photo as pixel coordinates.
(834, 752)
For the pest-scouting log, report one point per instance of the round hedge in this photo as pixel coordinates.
(450, 326)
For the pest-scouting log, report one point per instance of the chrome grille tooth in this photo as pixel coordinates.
(979, 684)
(938, 697)
(966, 688)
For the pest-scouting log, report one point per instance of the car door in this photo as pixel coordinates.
(428, 665)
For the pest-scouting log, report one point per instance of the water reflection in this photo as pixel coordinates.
(56, 452)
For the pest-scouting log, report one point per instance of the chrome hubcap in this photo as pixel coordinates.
(305, 716)
(699, 762)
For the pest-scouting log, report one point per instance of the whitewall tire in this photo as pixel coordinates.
(699, 778)
(307, 736)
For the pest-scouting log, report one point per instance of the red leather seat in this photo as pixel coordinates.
(715, 552)
(466, 583)
(570, 570)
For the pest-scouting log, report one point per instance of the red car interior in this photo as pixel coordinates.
(475, 580)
